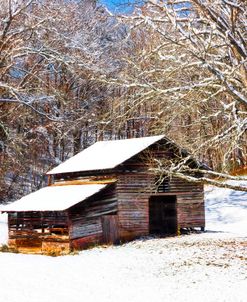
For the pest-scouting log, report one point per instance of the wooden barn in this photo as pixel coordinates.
(106, 194)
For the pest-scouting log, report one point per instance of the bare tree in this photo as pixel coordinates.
(187, 76)
(51, 56)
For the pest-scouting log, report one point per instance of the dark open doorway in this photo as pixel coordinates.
(162, 215)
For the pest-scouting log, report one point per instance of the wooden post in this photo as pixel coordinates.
(49, 180)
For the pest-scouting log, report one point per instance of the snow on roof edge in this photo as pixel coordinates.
(109, 159)
(53, 198)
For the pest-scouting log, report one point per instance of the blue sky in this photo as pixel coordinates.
(119, 5)
(127, 5)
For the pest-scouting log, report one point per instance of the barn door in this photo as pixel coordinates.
(110, 229)
(162, 215)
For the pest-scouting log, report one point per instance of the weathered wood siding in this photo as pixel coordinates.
(85, 218)
(190, 210)
(110, 229)
(133, 194)
(135, 186)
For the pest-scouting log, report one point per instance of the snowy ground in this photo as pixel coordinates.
(226, 210)
(204, 267)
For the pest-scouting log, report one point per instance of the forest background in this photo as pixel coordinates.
(74, 72)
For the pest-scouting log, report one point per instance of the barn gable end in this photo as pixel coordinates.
(137, 188)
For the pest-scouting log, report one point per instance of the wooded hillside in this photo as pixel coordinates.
(71, 73)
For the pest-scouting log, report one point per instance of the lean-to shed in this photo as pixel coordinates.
(106, 194)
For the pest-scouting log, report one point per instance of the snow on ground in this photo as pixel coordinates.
(188, 268)
(205, 267)
(226, 210)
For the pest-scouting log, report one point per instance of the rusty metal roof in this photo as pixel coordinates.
(53, 198)
(105, 154)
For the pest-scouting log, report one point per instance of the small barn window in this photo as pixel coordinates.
(162, 184)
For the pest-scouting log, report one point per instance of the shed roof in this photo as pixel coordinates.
(53, 198)
(105, 154)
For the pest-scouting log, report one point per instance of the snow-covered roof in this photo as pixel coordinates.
(105, 154)
(53, 198)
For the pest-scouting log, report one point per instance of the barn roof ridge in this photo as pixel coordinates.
(107, 154)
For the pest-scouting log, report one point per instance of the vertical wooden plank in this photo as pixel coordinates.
(110, 229)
